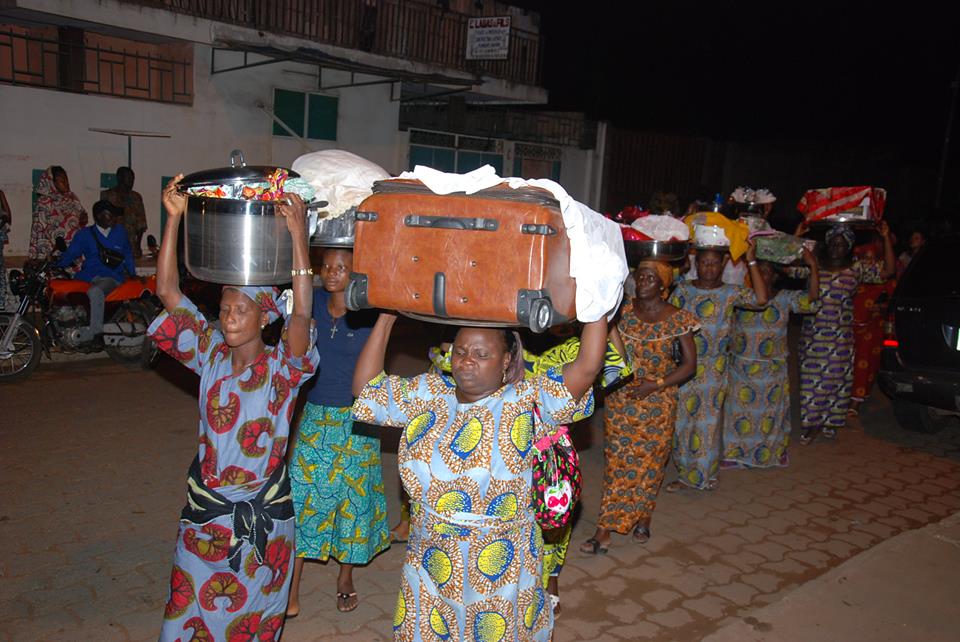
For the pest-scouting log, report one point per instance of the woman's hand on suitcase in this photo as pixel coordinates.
(293, 209)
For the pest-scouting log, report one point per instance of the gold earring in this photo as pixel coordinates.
(503, 379)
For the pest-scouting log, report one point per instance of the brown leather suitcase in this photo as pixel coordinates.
(500, 256)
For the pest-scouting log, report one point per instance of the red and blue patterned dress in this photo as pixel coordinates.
(244, 427)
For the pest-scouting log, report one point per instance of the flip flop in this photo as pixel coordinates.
(342, 602)
(593, 547)
(641, 534)
(673, 487)
(554, 603)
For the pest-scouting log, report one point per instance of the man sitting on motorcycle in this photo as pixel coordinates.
(107, 260)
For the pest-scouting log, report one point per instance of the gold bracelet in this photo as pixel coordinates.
(660, 383)
(302, 272)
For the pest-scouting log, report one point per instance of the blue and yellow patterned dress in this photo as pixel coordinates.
(756, 424)
(474, 558)
(696, 437)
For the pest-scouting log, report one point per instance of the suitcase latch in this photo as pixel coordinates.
(450, 222)
(366, 216)
(532, 228)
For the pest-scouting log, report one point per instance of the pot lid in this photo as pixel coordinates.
(232, 175)
(238, 172)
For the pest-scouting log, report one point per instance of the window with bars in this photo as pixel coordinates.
(313, 116)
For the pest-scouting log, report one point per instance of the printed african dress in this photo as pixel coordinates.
(696, 437)
(337, 488)
(335, 465)
(638, 433)
(244, 426)
(826, 348)
(556, 541)
(756, 423)
(869, 312)
(475, 555)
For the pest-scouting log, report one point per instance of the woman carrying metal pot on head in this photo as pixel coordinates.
(827, 340)
(234, 554)
(657, 339)
(335, 467)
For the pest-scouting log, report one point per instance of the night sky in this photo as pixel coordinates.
(759, 71)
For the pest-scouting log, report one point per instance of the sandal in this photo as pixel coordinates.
(829, 432)
(641, 534)
(554, 603)
(342, 602)
(807, 436)
(712, 484)
(593, 547)
(673, 487)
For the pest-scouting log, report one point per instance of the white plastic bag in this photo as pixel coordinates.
(339, 177)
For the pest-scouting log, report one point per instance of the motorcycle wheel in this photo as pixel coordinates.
(25, 355)
(130, 355)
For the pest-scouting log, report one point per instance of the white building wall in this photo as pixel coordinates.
(44, 127)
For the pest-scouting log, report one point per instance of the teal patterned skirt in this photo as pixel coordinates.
(337, 479)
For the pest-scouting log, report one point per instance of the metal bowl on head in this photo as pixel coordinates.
(637, 251)
(334, 231)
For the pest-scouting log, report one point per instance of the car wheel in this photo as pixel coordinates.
(918, 418)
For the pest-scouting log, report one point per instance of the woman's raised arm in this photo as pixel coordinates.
(370, 363)
(579, 374)
(168, 278)
(298, 325)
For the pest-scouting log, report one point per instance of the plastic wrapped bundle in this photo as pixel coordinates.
(662, 228)
(778, 247)
(339, 177)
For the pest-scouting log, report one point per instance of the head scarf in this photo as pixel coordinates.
(55, 215)
(266, 297)
(663, 270)
(840, 230)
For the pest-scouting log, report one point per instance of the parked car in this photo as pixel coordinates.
(920, 367)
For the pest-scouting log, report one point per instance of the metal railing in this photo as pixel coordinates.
(552, 128)
(398, 28)
(38, 61)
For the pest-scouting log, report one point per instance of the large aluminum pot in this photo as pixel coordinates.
(237, 242)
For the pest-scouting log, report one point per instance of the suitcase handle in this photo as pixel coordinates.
(452, 223)
(440, 294)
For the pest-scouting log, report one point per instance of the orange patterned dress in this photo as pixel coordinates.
(639, 433)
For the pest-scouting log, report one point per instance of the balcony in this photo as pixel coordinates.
(78, 61)
(408, 29)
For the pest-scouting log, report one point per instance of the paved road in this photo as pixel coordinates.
(93, 458)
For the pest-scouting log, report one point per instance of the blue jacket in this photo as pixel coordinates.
(84, 244)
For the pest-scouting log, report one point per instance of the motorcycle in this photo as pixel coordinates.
(53, 311)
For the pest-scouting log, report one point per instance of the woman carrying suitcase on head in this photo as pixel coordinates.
(474, 557)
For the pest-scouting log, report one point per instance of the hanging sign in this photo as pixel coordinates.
(488, 38)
